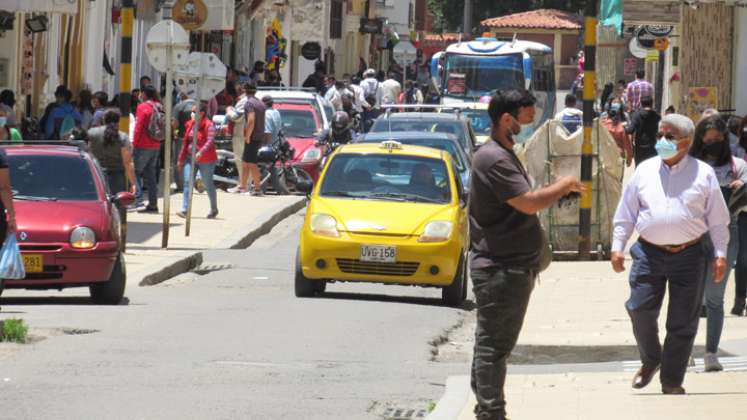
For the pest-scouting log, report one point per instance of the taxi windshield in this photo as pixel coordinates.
(387, 177)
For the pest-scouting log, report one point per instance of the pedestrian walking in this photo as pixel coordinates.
(205, 158)
(614, 121)
(390, 90)
(62, 117)
(316, 79)
(644, 124)
(673, 201)
(254, 137)
(273, 128)
(146, 150)
(637, 90)
(7, 210)
(570, 117)
(85, 108)
(236, 115)
(412, 95)
(711, 145)
(113, 150)
(99, 103)
(740, 275)
(507, 245)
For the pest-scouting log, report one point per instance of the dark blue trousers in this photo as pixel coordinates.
(652, 271)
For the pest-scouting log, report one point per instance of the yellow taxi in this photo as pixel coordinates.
(386, 213)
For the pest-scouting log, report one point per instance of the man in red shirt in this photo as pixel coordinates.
(146, 150)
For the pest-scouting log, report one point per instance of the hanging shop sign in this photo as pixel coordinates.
(371, 26)
(191, 14)
(311, 50)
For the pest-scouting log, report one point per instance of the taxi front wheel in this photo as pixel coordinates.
(455, 293)
(304, 286)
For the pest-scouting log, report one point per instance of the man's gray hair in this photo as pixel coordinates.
(684, 125)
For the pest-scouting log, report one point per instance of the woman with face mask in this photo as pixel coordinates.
(7, 133)
(205, 156)
(711, 145)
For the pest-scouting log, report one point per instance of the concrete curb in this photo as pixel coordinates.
(246, 235)
(242, 238)
(452, 403)
(170, 267)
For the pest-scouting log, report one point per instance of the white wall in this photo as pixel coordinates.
(98, 21)
(740, 61)
(9, 52)
(398, 13)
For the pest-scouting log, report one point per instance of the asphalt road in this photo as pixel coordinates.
(230, 342)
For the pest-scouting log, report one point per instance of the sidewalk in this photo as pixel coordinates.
(240, 221)
(580, 304)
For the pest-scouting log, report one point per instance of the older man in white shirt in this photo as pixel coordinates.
(673, 201)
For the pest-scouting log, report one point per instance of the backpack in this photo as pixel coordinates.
(370, 95)
(157, 123)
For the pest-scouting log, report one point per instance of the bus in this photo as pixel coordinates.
(468, 71)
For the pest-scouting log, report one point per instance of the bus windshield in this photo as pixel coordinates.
(473, 76)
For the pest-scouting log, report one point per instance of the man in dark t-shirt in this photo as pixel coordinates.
(254, 135)
(506, 245)
(644, 124)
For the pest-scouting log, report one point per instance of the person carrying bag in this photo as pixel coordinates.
(8, 227)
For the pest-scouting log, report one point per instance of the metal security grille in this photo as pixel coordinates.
(403, 269)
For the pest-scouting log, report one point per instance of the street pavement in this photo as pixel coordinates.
(231, 341)
(576, 357)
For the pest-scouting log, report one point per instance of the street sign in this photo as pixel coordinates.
(661, 44)
(311, 50)
(404, 53)
(203, 75)
(162, 37)
(652, 55)
(636, 50)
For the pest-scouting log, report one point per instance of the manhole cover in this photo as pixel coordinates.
(404, 413)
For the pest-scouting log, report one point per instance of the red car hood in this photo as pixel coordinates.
(43, 221)
(300, 145)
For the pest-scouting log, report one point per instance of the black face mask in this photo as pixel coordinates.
(713, 149)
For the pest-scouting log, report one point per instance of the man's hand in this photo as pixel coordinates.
(618, 261)
(198, 155)
(571, 184)
(719, 269)
(736, 184)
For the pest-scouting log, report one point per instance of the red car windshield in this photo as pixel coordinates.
(298, 123)
(51, 178)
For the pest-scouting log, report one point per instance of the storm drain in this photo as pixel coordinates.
(78, 331)
(211, 268)
(404, 413)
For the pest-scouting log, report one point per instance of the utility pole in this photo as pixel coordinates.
(167, 152)
(590, 81)
(467, 22)
(125, 81)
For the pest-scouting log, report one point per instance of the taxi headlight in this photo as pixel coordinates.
(311, 155)
(438, 231)
(82, 238)
(324, 224)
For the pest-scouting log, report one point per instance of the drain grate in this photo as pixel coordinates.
(404, 413)
(211, 268)
(78, 331)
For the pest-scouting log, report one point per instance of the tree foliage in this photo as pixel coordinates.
(449, 13)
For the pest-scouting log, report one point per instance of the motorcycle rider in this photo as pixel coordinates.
(341, 130)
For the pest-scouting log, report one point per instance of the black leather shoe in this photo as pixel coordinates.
(644, 375)
(738, 308)
(672, 390)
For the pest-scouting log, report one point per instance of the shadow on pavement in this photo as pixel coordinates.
(468, 305)
(551, 355)
(141, 232)
(54, 300)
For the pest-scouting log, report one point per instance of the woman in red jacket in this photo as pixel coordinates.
(206, 157)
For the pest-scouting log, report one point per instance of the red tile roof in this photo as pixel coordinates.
(536, 19)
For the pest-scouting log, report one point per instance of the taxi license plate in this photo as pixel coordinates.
(379, 253)
(33, 263)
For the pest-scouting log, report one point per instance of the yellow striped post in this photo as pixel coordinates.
(587, 150)
(125, 82)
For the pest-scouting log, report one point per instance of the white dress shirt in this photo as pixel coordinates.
(672, 205)
(390, 91)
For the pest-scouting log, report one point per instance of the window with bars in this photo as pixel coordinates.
(335, 19)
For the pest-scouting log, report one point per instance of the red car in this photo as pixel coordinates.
(302, 126)
(69, 227)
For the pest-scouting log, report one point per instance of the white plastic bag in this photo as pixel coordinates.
(11, 262)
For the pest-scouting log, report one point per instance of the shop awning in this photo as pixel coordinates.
(40, 6)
